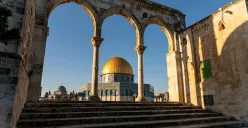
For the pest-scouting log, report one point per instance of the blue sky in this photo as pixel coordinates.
(68, 59)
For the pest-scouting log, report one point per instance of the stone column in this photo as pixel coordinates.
(140, 50)
(96, 42)
(184, 60)
(175, 81)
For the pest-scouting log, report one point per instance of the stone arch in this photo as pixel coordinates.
(164, 26)
(84, 4)
(106, 94)
(125, 13)
(112, 94)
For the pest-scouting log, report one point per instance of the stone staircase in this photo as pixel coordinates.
(47, 114)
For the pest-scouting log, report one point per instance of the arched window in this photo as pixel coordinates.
(106, 95)
(126, 92)
(106, 92)
(118, 78)
(147, 93)
(130, 92)
(112, 92)
(125, 77)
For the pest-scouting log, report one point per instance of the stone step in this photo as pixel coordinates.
(33, 105)
(97, 120)
(225, 124)
(103, 108)
(107, 113)
(145, 124)
(111, 102)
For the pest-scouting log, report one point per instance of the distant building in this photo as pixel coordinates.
(60, 95)
(117, 83)
(161, 97)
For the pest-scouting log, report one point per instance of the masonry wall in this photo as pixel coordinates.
(13, 57)
(24, 56)
(221, 38)
(10, 62)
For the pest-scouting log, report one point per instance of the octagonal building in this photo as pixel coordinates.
(117, 83)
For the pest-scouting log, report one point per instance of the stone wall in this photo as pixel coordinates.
(222, 40)
(10, 62)
(23, 53)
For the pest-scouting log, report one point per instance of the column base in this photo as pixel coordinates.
(94, 99)
(140, 99)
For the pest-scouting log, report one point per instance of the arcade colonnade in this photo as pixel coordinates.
(139, 13)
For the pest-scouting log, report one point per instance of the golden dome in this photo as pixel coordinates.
(117, 65)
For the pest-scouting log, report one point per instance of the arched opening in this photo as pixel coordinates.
(155, 62)
(68, 57)
(112, 94)
(84, 5)
(127, 15)
(119, 40)
(106, 95)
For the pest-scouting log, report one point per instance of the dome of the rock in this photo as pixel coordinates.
(117, 65)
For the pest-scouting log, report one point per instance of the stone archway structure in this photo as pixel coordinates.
(139, 13)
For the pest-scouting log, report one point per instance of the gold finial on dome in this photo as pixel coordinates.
(117, 54)
(117, 65)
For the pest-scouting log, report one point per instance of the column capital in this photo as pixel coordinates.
(140, 49)
(96, 41)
